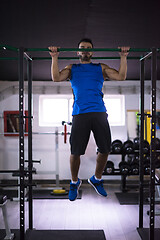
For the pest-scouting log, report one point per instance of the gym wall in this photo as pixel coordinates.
(44, 145)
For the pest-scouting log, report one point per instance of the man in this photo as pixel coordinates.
(89, 112)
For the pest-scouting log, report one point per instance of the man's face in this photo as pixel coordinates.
(85, 56)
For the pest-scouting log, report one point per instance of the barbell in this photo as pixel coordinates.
(65, 133)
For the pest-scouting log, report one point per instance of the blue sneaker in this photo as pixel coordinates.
(98, 186)
(73, 192)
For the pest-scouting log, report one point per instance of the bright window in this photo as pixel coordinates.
(53, 109)
(115, 106)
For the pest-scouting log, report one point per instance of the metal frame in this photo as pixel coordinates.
(30, 162)
(21, 54)
(141, 165)
(153, 145)
(153, 55)
(21, 142)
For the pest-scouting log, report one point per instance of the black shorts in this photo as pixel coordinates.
(82, 125)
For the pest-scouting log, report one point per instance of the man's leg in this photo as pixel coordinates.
(101, 163)
(75, 182)
(79, 138)
(74, 166)
(102, 135)
(96, 180)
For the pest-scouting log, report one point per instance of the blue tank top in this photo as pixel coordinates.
(87, 81)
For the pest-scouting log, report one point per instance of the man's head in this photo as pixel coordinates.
(85, 56)
(86, 40)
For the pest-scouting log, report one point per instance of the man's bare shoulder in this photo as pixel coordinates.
(68, 67)
(65, 73)
(104, 66)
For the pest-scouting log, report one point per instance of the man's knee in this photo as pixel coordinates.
(75, 157)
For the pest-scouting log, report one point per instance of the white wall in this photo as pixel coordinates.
(44, 145)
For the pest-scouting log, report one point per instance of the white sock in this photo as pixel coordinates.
(98, 179)
(74, 182)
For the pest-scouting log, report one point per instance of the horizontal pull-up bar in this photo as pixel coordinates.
(69, 58)
(77, 58)
(88, 49)
(6, 47)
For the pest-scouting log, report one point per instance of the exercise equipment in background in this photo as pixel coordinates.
(147, 165)
(116, 146)
(109, 169)
(157, 143)
(124, 167)
(146, 146)
(135, 165)
(128, 147)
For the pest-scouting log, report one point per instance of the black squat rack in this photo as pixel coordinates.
(22, 56)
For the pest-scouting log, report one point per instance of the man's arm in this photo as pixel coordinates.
(58, 76)
(113, 74)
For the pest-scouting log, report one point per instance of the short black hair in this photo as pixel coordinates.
(86, 40)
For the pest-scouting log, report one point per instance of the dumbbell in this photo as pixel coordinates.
(157, 143)
(145, 145)
(135, 165)
(147, 165)
(136, 158)
(157, 162)
(116, 146)
(109, 169)
(135, 169)
(128, 146)
(124, 167)
(136, 142)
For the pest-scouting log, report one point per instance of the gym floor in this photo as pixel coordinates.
(91, 212)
